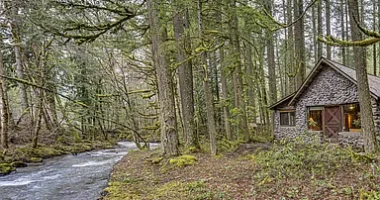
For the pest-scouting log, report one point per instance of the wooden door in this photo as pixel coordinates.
(333, 120)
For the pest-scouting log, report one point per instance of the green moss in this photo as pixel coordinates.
(35, 160)
(183, 160)
(6, 168)
(170, 190)
(157, 160)
(77, 137)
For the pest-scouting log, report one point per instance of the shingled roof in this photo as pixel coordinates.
(348, 72)
(373, 81)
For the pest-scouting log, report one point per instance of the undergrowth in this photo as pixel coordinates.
(299, 159)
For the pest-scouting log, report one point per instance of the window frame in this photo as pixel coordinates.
(288, 112)
(315, 108)
(357, 106)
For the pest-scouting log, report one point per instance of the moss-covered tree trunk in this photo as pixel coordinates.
(211, 124)
(367, 123)
(185, 74)
(168, 121)
(16, 36)
(4, 103)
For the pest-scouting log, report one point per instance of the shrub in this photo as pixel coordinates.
(300, 159)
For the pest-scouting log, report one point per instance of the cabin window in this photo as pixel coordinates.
(351, 113)
(288, 118)
(315, 118)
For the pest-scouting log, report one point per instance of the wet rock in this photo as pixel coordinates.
(19, 164)
(6, 168)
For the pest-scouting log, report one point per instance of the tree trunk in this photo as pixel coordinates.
(368, 127)
(37, 124)
(271, 62)
(15, 29)
(211, 125)
(224, 103)
(237, 74)
(374, 46)
(185, 76)
(168, 122)
(251, 81)
(343, 30)
(4, 104)
(328, 27)
(290, 49)
(315, 34)
(320, 25)
(299, 35)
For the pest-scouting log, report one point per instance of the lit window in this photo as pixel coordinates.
(288, 118)
(315, 119)
(351, 114)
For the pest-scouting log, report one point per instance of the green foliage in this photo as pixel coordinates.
(262, 138)
(197, 190)
(183, 160)
(299, 159)
(369, 195)
(225, 145)
(6, 168)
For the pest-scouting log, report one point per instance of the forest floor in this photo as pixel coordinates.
(250, 171)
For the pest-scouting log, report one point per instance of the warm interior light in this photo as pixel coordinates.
(349, 121)
(352, 107)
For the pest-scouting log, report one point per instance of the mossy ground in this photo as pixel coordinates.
(18, 156)
(253, 171)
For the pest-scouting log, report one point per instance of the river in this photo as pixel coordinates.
(80, 177)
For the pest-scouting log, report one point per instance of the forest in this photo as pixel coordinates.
(194, 75)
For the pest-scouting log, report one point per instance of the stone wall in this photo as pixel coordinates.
(282, 132)
(327, 88)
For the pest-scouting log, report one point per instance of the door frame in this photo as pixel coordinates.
(324, 117)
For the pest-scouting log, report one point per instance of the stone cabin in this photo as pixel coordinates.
(326, 104)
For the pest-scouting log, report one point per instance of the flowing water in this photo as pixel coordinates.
(79, 177)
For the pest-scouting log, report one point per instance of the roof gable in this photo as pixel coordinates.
(347, 72)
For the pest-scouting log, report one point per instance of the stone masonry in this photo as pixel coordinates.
(328, 88)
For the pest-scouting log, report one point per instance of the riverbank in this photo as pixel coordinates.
(252, 171)
(20, 156)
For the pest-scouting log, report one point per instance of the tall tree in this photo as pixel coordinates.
(185, 74)
(320, 26)
(271, 61)
(15, 23)
(343, 30)
(368, 127)
(328, 26)
(4, 101)
(211, 124)
(290, 48)
(237, 73)
(299, 35)
(374, 45)
(168, 121)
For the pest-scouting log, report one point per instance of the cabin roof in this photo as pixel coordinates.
(348, 72)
